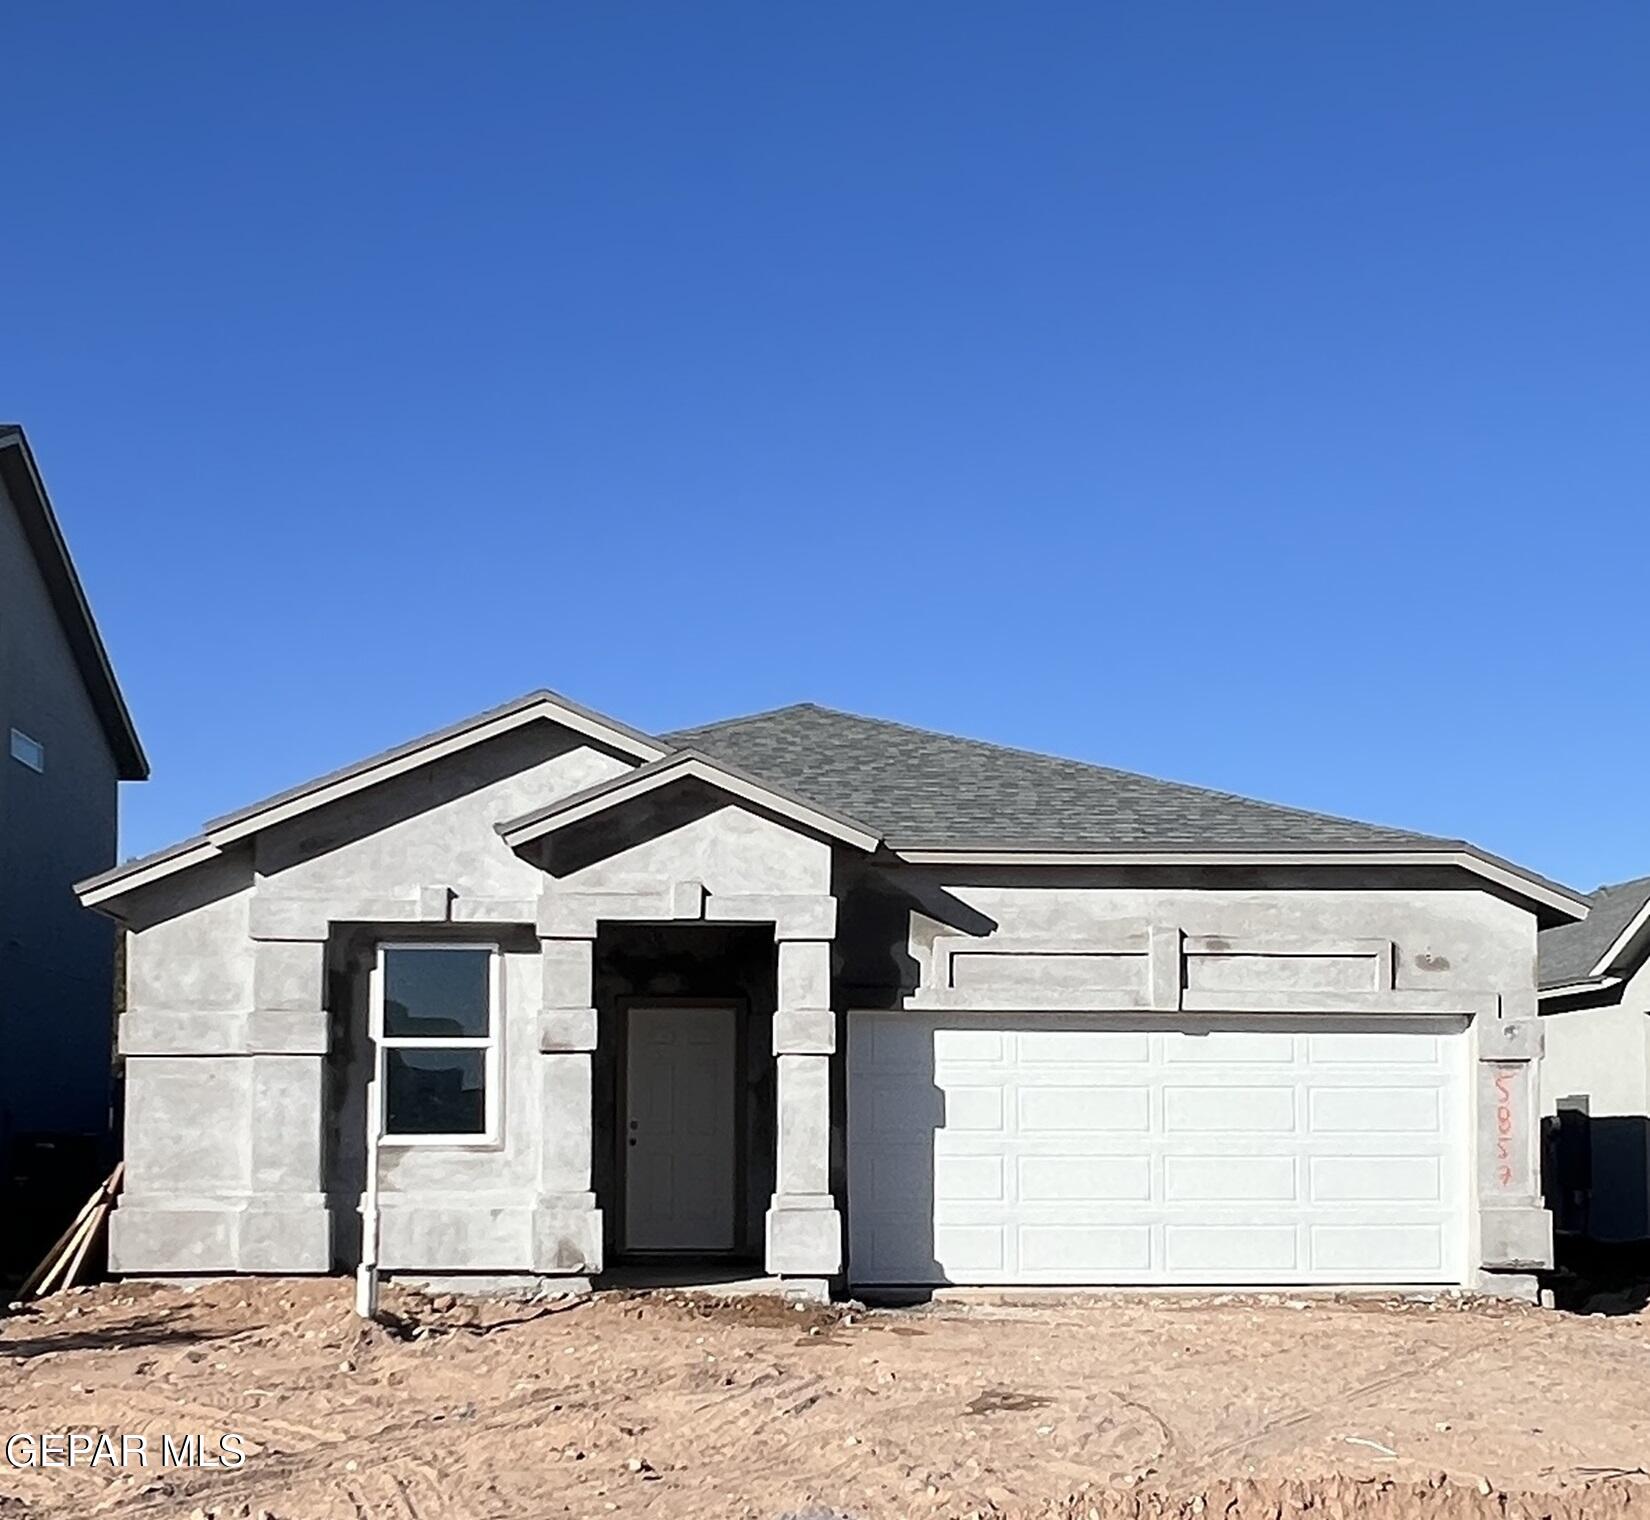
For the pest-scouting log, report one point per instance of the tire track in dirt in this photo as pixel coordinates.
(1405, 1369)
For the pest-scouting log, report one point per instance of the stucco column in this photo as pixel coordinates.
(567, 1225)
(286, 1225)
(804, 1227)
(1515, 1231)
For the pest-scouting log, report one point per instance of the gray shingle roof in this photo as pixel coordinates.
(1569, 952)
(920, 788)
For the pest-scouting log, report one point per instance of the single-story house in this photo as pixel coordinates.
(852, 1001)
(1595, 1080)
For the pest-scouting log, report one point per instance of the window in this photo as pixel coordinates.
(435, 1031)
(27, 751)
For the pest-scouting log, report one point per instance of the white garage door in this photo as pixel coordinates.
(1078, 1148)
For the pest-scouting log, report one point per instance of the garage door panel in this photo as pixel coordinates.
(1053, 1252)
(1085, 1179)
(1044, 1149)
(1222, 1047)
(1234, 1249)
(1063, 1047)
(1376, 1179)
(972, 1108)
(1221, 1179)
(972, 1252)
(1229, 1110)
(970, 1178)
(1087, 1110)
(1376, 1250)
(1367, 1049)
(1376, 1110)
(968, 1046)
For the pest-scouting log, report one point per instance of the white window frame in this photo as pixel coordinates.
(28, 751)
(488, 1136)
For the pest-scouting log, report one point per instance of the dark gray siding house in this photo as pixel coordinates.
(66, 739)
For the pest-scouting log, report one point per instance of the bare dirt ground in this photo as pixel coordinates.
(663, 1405)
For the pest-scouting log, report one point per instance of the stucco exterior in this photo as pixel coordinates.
(1597, 1066)
(246, 1057)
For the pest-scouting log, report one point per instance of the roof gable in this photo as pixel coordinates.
(682, 765)
(1610, 943)
(223, 832)
(23, 485)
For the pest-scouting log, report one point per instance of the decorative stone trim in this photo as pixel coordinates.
(304, 918)
(567, 1029)
(804, 974)
(566, 972)
(284, 1233)
(687, 900)
(281, 1032)
(1507, 1039)
(804, 1236)
(1517, 1239)
(578, 915)
(804, 1032)
(1379, 952)
(567, 1233)
(794, 915)
(272, 916)
(164, 1032)
(495, 910)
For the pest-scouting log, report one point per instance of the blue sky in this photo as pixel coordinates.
(1255, 395)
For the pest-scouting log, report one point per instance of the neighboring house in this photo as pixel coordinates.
(846, 999)
(68, 740)
(1595, 1082)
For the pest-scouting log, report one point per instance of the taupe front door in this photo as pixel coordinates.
(679, 1129)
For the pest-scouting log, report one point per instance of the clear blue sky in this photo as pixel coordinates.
(1255, 394)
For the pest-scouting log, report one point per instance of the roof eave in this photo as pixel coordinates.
(1627, 950)
(1554, 904)
(1582, 987)
(682, 765)
(22, 479)
(108, 886)
(492, 724)
(221, 833)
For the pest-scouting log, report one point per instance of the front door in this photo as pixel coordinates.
(679, 1129)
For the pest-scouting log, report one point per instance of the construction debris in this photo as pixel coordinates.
(61, 1266)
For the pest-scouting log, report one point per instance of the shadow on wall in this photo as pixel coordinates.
(893, 1253)
(1595, 1177)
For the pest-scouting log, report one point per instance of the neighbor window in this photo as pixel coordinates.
(435, 1029)
(27, 751)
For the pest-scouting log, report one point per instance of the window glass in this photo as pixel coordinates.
(27, 751)
(436, 993)
(435, 1092)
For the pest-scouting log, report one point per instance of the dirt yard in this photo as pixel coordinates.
(668, 1406)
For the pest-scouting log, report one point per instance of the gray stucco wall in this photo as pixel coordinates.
(1601, 1057)
(245, 1030)
(56, 827)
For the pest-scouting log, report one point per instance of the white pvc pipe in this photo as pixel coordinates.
(366, 1273)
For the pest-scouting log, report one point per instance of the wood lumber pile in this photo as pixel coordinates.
(61, 1266)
